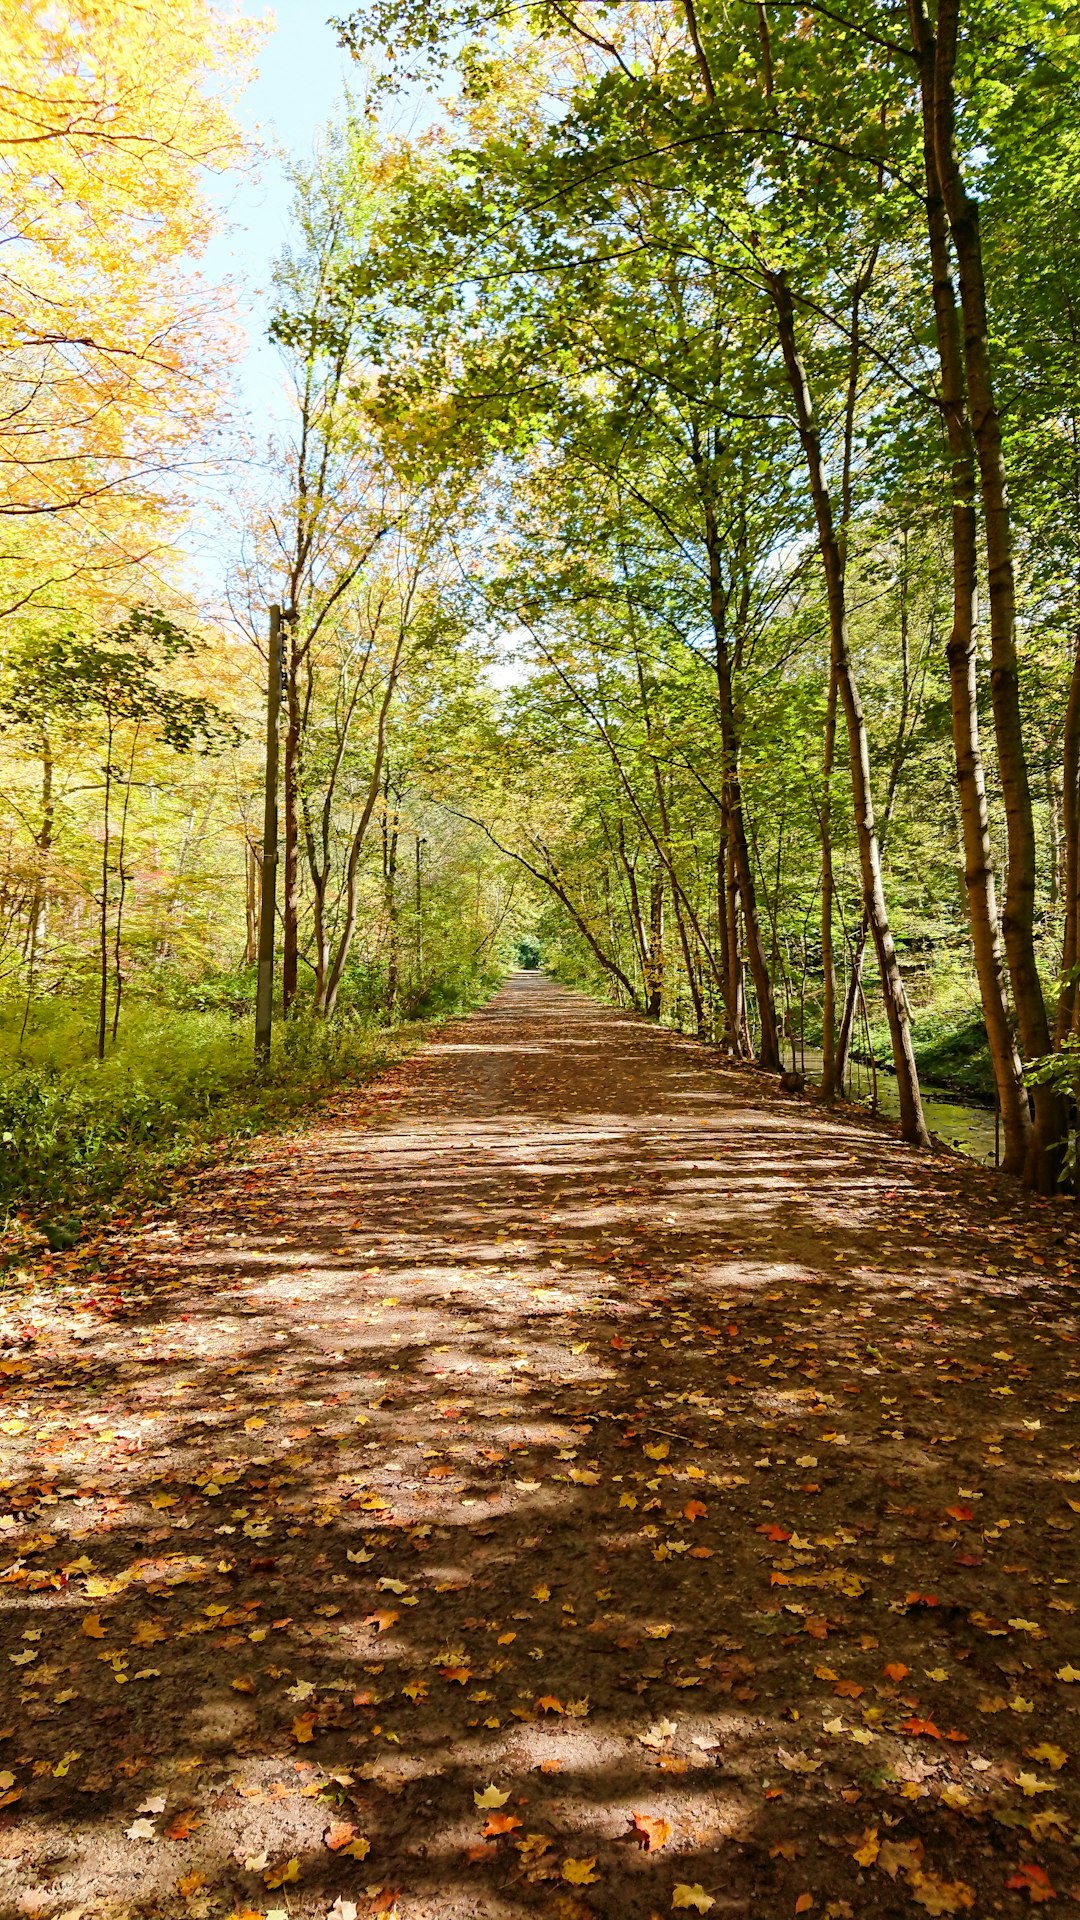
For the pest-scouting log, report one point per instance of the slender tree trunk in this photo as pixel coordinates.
(391, 824)
(913, 1125)
(290, 905)
(251, 904)
(769, 1054)
(829, 1088)
(103, 925)
(654, 978)
(118, 976)
(1070, 810)
(39, 899)
(961, 653)
(1018, 914)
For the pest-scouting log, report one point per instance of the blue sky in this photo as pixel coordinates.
(301, 79)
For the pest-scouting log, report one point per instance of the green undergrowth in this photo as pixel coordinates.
(77, 1134)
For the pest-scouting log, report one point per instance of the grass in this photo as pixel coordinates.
(76, 1134)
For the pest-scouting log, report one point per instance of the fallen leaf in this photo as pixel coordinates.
(284, 1875)
(695, 1896)
(940, 1896)
(500, 1823)
(867, 1852)
(654, 1830)
(92, 1627)
(580, 1872)
(183, 1825)
(490, 1797)
(899, 1856)
(1032, 1880)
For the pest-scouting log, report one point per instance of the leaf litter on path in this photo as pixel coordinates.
(572, 1475)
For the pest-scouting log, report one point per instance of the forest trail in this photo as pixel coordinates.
(572, 1479)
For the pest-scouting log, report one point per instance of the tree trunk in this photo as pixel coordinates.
(654, 983)
(961, 653)
(251, 904)
(769, 1054)
(1018, 915)
(912, 1123)
(1070, 809)
(390, 851)
(829, 1088)
(290, 905)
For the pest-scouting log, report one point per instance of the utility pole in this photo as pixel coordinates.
(264, 991)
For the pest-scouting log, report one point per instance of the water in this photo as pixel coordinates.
(969, 1129)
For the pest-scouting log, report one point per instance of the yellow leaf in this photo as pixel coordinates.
(1054, 1756)
(580, 1872)
(284, 1875)
(659, 1450)
(695, 1896)
(1030, 1785)
(92, 1627)
(868, 1852)
(490, 1797)
(940, 1896)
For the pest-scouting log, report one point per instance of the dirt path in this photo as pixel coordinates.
(572, 1480)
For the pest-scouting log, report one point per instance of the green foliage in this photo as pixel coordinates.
(76, 1132)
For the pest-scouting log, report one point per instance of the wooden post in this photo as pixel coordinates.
(264, 992)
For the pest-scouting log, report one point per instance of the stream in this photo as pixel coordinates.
(969, 1129)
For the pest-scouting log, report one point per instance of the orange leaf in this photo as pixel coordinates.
(1032, 1880)
(547, 1703)
(653, 1829)
(695, 1510)
(461, 1674)
(925, 1727)
(303, 1728)
(500, 1823)
(92, 1627)
(897, 1671)
(338, 1835)
(382, 1619)
(191, 1883)
(804, 1903)
(183, 1825)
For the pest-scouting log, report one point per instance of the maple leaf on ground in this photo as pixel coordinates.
(580, 1872)
(283, 1875)
(1054, 1756)
(869, 1848)
(692, 1896)
(500, 1823)
(940, 1896)
(1032, 1880)
(183, 1825)
(804, 1903)
(490, 1797)
(191, 1883)
(653, 1830)
(92, 1627)
(899, 1856)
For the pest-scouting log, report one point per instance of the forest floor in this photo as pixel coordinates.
(570, 1479)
